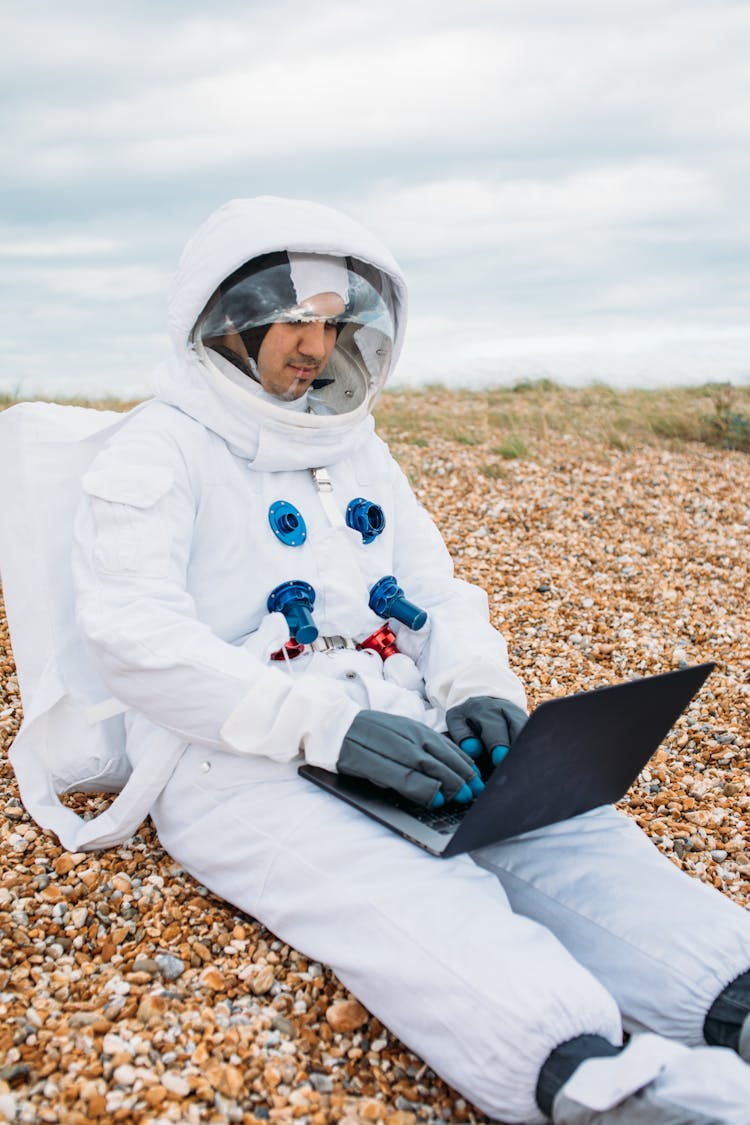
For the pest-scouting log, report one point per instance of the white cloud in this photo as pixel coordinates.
(98, 284)
(545, 172)
(479, 214)
(305, 84)
(64, 246)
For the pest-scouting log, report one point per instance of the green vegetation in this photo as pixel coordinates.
(516, 421)
(511, 446)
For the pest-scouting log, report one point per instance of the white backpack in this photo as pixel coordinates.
(72, 737)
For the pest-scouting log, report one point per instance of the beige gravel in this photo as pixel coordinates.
(129, 993)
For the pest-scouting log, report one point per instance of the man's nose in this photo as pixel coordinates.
(312, 338)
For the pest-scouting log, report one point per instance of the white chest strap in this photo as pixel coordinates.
(324, 485)
(107, 709)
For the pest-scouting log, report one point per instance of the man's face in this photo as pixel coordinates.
(293, 354)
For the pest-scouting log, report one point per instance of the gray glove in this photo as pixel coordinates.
(402, 754)
(485, 723)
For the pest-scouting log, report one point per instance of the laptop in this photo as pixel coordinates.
(575, 753)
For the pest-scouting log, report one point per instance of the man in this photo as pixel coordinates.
(242, 542)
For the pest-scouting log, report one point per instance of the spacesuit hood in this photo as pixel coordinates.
(265, 430)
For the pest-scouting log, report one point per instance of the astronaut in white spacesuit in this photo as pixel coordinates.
(253, 574)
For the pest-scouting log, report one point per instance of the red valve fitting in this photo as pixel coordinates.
(289, 651)
(382, 641)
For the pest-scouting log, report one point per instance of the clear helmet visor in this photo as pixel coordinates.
(353, 302)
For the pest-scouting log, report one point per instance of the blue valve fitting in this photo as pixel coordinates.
(365, 517)
(295, 600)
(387, 600)
(287, 523)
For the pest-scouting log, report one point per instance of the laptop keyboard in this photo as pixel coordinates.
(445, 821)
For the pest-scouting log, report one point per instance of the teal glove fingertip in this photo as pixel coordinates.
(464, 795)
(476, 785)
(437, 801)
(498, 753)
(471, 746)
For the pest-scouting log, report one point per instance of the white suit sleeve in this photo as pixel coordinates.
(130, 560)
(461, 654)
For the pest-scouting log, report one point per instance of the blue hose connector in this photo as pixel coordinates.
(295, 600)
(387, 600)
(287, 523)
(365, 517)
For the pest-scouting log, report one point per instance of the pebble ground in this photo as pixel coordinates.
(128, 993)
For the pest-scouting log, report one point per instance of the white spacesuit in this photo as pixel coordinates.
(231, 537)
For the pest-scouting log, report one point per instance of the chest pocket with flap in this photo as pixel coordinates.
(133, 529)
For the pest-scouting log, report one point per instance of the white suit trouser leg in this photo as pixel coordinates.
(663, 944)
(430, 946)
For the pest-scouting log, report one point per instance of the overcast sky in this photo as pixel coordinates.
(566, 185)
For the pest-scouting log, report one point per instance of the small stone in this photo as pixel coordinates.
(285, 1026)
(146, 965)
(323, 1083)
(67, 861)
(231, 1082)
(154, 1095)
(404, 1104)
(271, 1076)
(370, 1109)
(346, 1015)
(169, 966)
(15, 1073)
(201, 1054)
(51, 893)
(97, 1106)
(175, 1084)
(78, 917)
(84, 1019)
(114, 1044)
(212, 978)
(262, 980)
(719, 855)
(8, 1106)
(124, 1075)
(151, 1010)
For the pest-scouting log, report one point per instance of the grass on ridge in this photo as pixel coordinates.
(515, 421)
